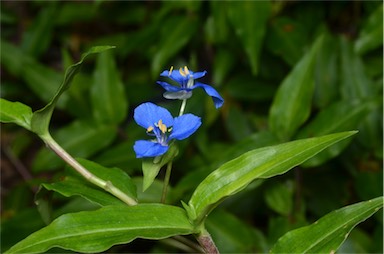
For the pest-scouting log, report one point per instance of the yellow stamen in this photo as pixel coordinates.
(186, 70)
(150, 128)
(182, 72)
(170, 71)
(162, 126)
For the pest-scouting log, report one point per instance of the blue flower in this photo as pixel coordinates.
(186, 79)
(160, 124)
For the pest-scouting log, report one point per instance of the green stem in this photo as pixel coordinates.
(182, 108)
(206, 242)
(106, 185)
(166, 181)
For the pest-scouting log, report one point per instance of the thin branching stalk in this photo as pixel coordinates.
(166, 181)
(182, 108)
(206, 242)
(106, 185)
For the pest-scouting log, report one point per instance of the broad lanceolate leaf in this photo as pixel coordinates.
(15, 112)
(329, 232)
(107, 93)
(340, 116)
(265, 162)
(71, 186)
(292, 103)
(97, 231)
(249, 19)
(41, 118)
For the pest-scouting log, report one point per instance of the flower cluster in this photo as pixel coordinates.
(158, 121)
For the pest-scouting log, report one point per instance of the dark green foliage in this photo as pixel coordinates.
(287, 70)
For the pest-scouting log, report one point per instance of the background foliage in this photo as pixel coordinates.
(255, 54)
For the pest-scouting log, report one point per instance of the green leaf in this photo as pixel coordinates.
(249, 21)
(15, 112)
(355, 84)
(176, 34)
(107, 94)
(80, 139)
(279, 197)
(283, 37)
(39, 35)
(232, 235)
(371, 35)
(97, 231)
(152, 166)
(292, 103)
(329, 232)
(340, 116)
(41, 118)
(265, 162)
(77, 185)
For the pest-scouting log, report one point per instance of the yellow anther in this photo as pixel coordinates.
(162, 126)
(150, 128)
(170, 71)
(186, 70)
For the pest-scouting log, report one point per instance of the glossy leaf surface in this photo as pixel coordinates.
(15, 112)
(292, 103)
(97, 231)
(329, 232)
(265, 162)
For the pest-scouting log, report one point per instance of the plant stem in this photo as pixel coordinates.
(205, 240)
(166, 181)
(106, 185)
(182, 108)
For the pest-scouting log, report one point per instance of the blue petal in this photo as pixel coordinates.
(147, 114)
(184, 126)
(197, 75)
(144, 148)
(169, 87)
(217, 99)
(176, 76)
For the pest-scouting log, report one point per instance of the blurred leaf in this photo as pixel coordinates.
(327, 72)
(39, 78)
(292, 103)
(97, 231)
(41, 118)
(371, 35)
(72, 12)
(153, 193)
(265, 162)
(369, 184)
(283, 38)
(176, 33)
(246, 88)
(249, 21)
(152, 166)
(216, 27)
(279, 197)
(107, 94)
(231, 235)
(120, 155)
(355, 83)
(38, 37)
(340, 116)
(237, 124)
(329, 232)
(80, 139)
(222, 65)
(15, 112)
